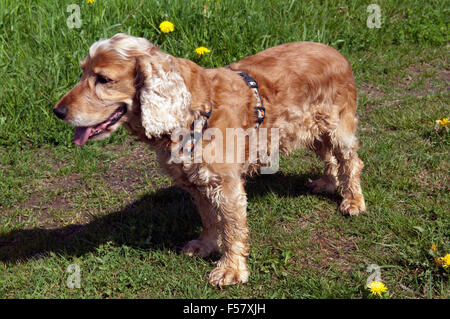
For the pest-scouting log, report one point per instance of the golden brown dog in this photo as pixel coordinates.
(309, 96)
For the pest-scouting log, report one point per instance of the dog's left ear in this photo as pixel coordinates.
(163, 94)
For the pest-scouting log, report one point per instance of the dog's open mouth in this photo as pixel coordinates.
(83, 133)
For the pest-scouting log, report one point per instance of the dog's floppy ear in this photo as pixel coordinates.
(163, 95)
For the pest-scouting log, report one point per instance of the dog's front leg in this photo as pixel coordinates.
(230, 199)
(208, 241)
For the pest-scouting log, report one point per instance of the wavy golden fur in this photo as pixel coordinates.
(307, 89)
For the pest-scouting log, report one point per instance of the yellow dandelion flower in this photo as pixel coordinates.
(202, 50)
(166, 26)
(443, 122)
(433, 247)
(90, 1)
(446, 261)
(377, 288)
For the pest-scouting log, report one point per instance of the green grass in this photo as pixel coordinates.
(107, 208)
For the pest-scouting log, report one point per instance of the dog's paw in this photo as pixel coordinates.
(222, 276)
(200, 248)
(352, 207)
(323, 184)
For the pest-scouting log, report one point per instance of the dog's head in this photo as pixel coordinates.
(126, 79)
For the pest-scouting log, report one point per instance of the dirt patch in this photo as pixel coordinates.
(445, 74)
(370, 90)
(325, 248)
(127, 173)
(319, 247)
(434, 79)
(335, 250)
(55, 200)
(418, 79)
(48, 199)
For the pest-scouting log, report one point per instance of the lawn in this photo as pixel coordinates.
(107, 208)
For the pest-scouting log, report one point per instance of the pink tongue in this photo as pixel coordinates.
(81, 135)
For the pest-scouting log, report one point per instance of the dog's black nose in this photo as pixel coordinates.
(60, 111)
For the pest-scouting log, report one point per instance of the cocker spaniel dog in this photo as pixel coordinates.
(303, 92)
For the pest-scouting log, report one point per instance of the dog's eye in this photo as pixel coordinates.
(102, 79)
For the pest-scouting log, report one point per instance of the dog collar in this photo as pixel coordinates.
(260, 111)
(197, 128)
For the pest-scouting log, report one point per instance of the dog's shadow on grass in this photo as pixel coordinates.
(164, 219)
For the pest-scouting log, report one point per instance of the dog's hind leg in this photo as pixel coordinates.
(350, 165)
(328, 182)
(208, 241)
